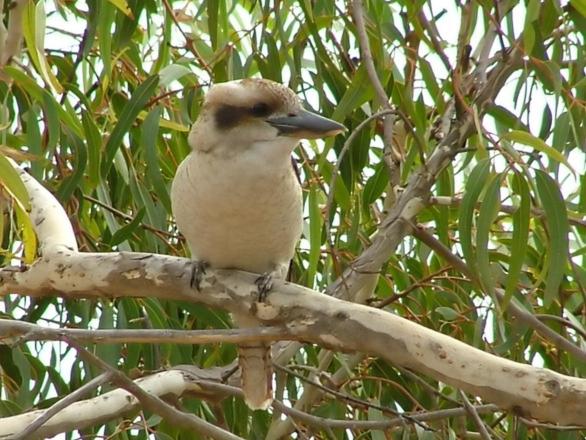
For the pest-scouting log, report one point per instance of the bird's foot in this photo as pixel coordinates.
(264, 284)
(198, 270)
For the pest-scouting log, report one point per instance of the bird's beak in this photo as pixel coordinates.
(306, 125)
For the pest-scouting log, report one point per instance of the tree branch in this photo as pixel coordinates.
(314, 317)
(13, 332)
(155, 404)
(107, 406)
(413, 199)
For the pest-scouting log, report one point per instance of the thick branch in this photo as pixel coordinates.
(100, 409)
(305, 314)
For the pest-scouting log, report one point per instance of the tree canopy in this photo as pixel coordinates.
(456, 200)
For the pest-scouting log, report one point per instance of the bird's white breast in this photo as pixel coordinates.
(238, 211)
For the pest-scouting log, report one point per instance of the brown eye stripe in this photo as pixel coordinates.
(228, 116)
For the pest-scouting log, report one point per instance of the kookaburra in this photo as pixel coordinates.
(236, 197)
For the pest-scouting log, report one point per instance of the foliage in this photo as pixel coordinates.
(98, 106)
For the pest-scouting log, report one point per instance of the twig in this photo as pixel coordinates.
(474, 414)
(563, 321)
(411, 288)
(128, 217)
(358, 13)
(509, 209)
(434, 36)
(188, 40)
(351, 399)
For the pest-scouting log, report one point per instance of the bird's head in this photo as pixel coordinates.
(256, 113)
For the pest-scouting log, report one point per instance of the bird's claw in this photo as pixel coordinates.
(198, 270)
(264, 284)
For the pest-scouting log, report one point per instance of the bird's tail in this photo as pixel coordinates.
(257, 374)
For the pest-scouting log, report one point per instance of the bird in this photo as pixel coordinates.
(237, 199)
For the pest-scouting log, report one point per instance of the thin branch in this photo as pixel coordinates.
(358, 14)
(515, 309)
(343, 396)
(396, 224)
(563, 321)
(509, 209)
(435, 37)
(474, 414)
(154, 403)
(14, 32)
(12, 331)
(338, 164)
(323, 423)
(129, 217)
(74, 396)
(394, 164)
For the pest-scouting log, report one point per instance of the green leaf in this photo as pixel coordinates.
(375, 185)
(106, 13)
(28, 237)
(519, 244)
(34, 34)
(474, 186)
(122, 6)
(129, 113)
(315, 228)
(150, 132)
(171, 73)
(94, 144)
(126, 231)
(109, 353)
(488, 211)
(580, 6)
(356, 94)
(431, 83)
(12, 183)
(447, 313)
(556, 219)
(526, 138)
(73, 181)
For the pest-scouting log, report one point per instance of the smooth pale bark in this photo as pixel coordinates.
(314, 317)
(101, 409)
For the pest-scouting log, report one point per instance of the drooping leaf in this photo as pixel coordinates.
(556, 220)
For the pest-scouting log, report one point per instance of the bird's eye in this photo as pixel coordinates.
(260, 109)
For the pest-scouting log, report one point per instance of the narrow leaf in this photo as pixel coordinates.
(527, 138)
(521, 219)
(486, 217)
(127, 118)
(11, 182)
(476, 182)
(315, 227)
(556, 220)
